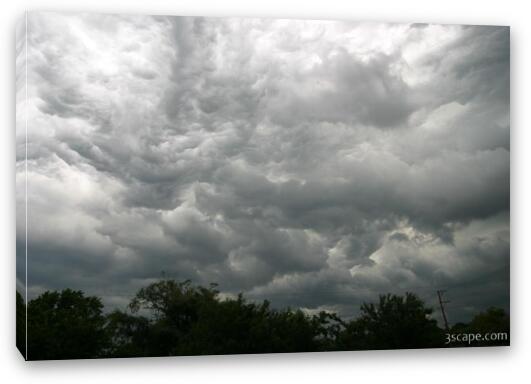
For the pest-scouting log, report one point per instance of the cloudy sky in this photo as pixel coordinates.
(313, 163)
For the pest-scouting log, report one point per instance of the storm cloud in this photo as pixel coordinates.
(313, 163)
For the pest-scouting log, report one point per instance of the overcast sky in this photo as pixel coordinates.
(313, 163)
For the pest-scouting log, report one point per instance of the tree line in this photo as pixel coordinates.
(171, 318)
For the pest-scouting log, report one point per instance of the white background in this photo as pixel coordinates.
(433, 366)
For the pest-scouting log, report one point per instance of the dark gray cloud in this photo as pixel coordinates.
(312, 163)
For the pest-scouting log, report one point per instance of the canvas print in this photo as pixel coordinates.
(206, 186)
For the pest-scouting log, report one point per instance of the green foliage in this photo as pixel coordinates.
(395, 322)
(493, 322)
(169, 318)
(21, 324)
(190, 320)
(128, 335)
(65, 325)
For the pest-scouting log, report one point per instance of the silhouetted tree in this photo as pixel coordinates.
(129, 335)
(65, 325)
(178, 318)
(395, 322)
(21, 324)
(175, 307)
(236, 326)
(191, 320)
(489, 328)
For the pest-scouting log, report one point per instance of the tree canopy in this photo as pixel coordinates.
(66, 325)
(170, 318)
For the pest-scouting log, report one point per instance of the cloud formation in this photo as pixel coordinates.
(314, 163)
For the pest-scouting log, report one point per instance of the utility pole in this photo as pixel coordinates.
(441, 303)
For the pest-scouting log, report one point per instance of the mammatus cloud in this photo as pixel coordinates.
(314, 163)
